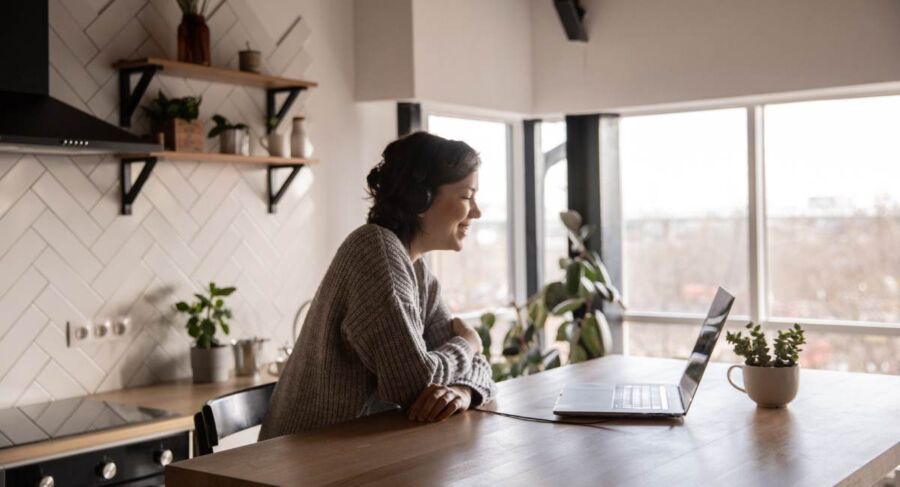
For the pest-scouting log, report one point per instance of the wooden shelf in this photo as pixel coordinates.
(210, 73)
(129, 190)
(214, 157)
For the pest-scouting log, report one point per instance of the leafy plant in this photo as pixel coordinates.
(523, 344)
(578, 299)
(164, 108)
(193, 7)
(755, 350)
(206, 313)
(222, 124)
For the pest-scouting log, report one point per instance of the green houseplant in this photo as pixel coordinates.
(175, 121)
(210, 360)
(233, 137)
(771, 381)
(577, 300)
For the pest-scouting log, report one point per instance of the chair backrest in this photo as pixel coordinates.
(228, 414)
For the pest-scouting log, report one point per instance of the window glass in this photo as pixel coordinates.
(479, 276)
(850, 352)
(556, 196)
(684, 210)
(833, 209)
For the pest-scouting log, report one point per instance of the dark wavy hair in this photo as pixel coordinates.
(412, 168)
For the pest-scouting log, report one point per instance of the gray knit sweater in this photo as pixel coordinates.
(377, 334)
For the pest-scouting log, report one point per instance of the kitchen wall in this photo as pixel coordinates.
(644, 52)
(67, 255)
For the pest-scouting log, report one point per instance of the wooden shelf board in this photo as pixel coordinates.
(214, 157)
(215, 74)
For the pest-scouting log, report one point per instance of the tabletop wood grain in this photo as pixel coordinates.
(842, 429)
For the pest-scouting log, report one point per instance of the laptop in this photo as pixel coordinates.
(650, 400)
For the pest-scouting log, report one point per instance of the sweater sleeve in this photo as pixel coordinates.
(386, 333)
(438, 331)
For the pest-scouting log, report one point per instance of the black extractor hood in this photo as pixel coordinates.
(32, 121)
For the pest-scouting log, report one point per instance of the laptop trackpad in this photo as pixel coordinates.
(585, 397)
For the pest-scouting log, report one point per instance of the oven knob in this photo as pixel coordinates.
(46, 481)
(107, 470)
(164, 457)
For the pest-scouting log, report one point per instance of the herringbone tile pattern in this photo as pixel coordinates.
(67, 255)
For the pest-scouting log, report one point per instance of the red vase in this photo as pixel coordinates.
(193, 40)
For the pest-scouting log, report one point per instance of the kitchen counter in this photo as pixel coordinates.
(182, 397)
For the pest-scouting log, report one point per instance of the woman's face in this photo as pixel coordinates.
(446, 222)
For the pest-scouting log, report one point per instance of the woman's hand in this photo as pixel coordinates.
(437, 403)
(466, 332)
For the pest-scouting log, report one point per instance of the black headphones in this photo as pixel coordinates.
(420, 196)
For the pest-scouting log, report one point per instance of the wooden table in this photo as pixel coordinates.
(841, 429)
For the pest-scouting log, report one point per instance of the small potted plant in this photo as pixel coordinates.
(233, 137)
(772, 382)
(210, 360)
(177, 120)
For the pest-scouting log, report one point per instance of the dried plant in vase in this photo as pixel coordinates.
(193, 33)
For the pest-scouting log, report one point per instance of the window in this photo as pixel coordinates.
(479, 276)
(555, 199)
(833, 209)
(828, 208)
(684, 210)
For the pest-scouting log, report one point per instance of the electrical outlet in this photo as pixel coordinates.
(100, 331)
(78, 334)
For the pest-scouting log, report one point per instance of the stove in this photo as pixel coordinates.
(138, 462)
(67, 417)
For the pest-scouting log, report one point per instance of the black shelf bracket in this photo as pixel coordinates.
(275, 196)
(279, 114)
(128, 98)
(130, 191)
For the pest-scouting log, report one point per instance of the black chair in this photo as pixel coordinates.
(229, 414)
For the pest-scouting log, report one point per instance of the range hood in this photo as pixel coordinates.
(30, 120)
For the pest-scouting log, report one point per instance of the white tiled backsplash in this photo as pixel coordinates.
(67, 255)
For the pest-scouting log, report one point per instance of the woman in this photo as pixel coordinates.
(378, 335)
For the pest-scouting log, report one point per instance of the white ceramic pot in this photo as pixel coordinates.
(769, 387)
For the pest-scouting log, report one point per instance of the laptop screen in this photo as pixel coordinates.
(709, 335)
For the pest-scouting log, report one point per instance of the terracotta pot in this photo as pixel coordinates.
(769, 387)
(193, 40)
(211, 364)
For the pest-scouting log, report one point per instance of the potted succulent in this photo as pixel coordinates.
(772, 382)
(233, 137)
(210, 360)
(577, 300)
(177, 120)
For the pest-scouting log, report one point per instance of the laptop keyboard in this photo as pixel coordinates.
(641, 396)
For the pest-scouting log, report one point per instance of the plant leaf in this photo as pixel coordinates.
(605, 332)
(590, 336)
(571, 219)
(573, 278)
(182, 306)
(554, 293)
(567, 306)
(577, 355)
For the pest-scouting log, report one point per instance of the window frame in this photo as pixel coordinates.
(515, 183)
(757, 219)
